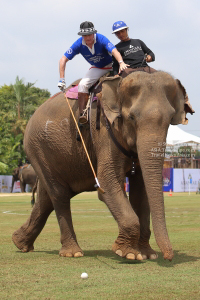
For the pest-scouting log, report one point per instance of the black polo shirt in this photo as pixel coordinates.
(132, 52)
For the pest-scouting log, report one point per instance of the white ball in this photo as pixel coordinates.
(84, 275)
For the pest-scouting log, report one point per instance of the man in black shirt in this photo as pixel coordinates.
(134, 52)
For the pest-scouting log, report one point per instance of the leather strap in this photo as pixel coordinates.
(98, 114)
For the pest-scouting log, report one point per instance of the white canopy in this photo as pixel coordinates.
(176, 136)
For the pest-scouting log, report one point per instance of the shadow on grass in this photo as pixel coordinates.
(179, 258)
(53, 252)
(102, 256)
(110, 255)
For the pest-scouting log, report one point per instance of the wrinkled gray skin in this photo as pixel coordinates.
(26, 175)
(140, 109)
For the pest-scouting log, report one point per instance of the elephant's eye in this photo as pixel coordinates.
(131, 117)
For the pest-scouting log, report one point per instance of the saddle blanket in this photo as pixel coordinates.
(72, 93)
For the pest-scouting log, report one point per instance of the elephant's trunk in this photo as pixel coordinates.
(151, 157)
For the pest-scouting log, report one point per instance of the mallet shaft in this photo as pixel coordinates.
(98, 185)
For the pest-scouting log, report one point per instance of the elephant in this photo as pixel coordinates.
(134, 120)
(15, 177)
(26, 175)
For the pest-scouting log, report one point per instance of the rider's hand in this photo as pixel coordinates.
(62, 84)
(122, 66)
(148, 58)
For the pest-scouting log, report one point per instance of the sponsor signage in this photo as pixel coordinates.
(6, 184)
(186, 180)
(167, 175)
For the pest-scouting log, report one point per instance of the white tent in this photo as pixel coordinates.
(176, 136)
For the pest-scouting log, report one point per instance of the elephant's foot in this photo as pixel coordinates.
(71, 252)
(20, 242)
(126, 251)
(147, 252)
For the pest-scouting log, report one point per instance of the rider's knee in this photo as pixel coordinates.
(83, 86)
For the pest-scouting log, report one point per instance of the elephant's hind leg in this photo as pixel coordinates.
(61, 202)
(25, 236)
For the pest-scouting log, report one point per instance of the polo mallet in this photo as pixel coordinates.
(97, 185)
(145, 56)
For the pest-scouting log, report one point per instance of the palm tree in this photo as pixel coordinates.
(20, 90)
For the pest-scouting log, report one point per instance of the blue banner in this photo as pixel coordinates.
(167, 174)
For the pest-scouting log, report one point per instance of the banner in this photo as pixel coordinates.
(6, 184)
(167, 174)
(186, 180)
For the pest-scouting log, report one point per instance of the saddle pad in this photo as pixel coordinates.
(72, 93)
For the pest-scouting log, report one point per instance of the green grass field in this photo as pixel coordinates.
(42, 274)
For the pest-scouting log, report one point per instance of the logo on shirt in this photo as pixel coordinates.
(110, 45)
(69, 51)
(95, 59)
(132, 49)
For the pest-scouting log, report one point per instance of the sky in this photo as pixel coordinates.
(35, 34)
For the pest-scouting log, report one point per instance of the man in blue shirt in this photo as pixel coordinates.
(98, 51)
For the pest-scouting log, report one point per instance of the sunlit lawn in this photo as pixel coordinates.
(42, 274)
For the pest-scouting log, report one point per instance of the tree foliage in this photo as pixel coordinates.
(17, 104)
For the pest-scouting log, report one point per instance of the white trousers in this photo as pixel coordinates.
(92, 76)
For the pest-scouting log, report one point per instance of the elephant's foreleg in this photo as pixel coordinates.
(139, 201)
(25, 236)
(22, 186)
(13, 181)
(126, 244)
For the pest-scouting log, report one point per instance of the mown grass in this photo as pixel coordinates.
(42, 274)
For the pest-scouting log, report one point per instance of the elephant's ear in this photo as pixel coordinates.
(110, 99)
(182, 105)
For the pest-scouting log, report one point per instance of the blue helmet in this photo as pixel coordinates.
(119, 25)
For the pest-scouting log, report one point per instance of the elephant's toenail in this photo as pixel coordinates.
(139, 257)
(68, 255)
(153, 256)
(119, 252)
(130, 256)
(78, 254)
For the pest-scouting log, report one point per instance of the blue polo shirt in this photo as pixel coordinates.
(99, 56)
